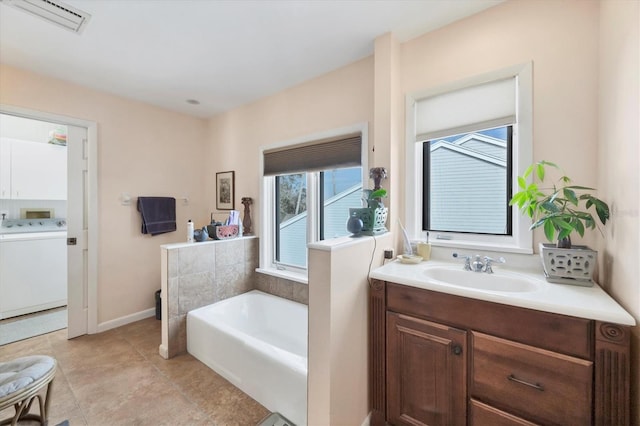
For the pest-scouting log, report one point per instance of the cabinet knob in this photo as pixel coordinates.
(456, 349)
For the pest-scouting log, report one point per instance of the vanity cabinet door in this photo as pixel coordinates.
(426, 372)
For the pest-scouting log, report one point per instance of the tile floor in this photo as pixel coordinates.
(26, 326)
(118, 378)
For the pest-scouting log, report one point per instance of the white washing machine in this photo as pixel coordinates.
(33, 266)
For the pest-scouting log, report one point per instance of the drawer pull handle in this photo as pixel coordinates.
(537, 386)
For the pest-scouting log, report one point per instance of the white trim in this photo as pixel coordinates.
(522, 239)
(267, 200)
(367, 420)
(482, 138)
(92, 213)
(469, 152)
(127, 319)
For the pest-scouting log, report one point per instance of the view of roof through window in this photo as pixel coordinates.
(467, 183)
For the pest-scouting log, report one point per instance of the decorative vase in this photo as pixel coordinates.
(246, 220)
(573, 266)
(354, 224)
(373, 219)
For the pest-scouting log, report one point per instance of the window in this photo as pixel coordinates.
(470, 140)
(467, 182)
(337, 190)
(291, 220)
(308, 188)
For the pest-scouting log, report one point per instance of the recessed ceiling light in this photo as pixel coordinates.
(193, 101)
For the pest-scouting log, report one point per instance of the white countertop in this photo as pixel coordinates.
(583, 302)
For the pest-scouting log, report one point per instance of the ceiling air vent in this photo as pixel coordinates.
(55, 12)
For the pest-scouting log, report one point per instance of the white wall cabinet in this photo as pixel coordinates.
(36, 171)
(5, 168)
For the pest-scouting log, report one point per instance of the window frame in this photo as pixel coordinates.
(521, 240)
(268, 220)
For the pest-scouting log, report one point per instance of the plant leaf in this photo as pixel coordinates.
(527, 171)
(549, 230)
(570, 195)
(540, 171)
(549, 163)
(589, 222)
(550, 206)
(378, 193)
(522, 183)
(563, 234)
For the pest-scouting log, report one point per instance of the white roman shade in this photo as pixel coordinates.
(345, 151)
(467, 109)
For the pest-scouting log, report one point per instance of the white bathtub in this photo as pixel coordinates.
(258, 342)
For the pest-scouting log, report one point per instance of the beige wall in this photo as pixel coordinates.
(334, 100)
(560, 37)
(618, 163)
(142, 150)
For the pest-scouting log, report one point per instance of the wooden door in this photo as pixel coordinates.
(426, 372)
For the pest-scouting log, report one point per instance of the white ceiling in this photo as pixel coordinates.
(223, 53)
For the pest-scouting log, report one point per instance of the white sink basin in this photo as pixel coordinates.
(500, 281)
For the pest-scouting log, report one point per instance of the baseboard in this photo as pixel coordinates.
(367, 420)
(128, 319)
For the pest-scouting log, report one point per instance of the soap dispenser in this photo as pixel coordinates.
(189, 231)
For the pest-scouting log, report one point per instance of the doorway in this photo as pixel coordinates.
(80, 220)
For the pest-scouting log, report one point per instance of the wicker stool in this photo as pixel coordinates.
(22, 380)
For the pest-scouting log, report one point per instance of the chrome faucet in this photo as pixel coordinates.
(467, 261)
(488, 262)
(478, 265)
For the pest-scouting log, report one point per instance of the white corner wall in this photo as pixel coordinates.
(338, 378)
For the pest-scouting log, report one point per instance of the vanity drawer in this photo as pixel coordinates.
(533, 383)
(485, 415)
(555, 332)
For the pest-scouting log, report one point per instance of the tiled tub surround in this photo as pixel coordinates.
(199, 274)
(283, 287)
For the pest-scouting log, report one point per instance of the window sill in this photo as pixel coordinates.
(481, 245)
(287, 275)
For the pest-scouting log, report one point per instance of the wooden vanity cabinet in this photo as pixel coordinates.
(429, 381)
(439, 359)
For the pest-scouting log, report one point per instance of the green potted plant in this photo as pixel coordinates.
(561, 209)
(374, 215)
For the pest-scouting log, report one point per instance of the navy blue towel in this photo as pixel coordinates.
(158, 214)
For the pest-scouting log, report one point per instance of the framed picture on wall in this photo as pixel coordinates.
(225, 183)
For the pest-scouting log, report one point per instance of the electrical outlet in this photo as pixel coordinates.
(388, 254)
